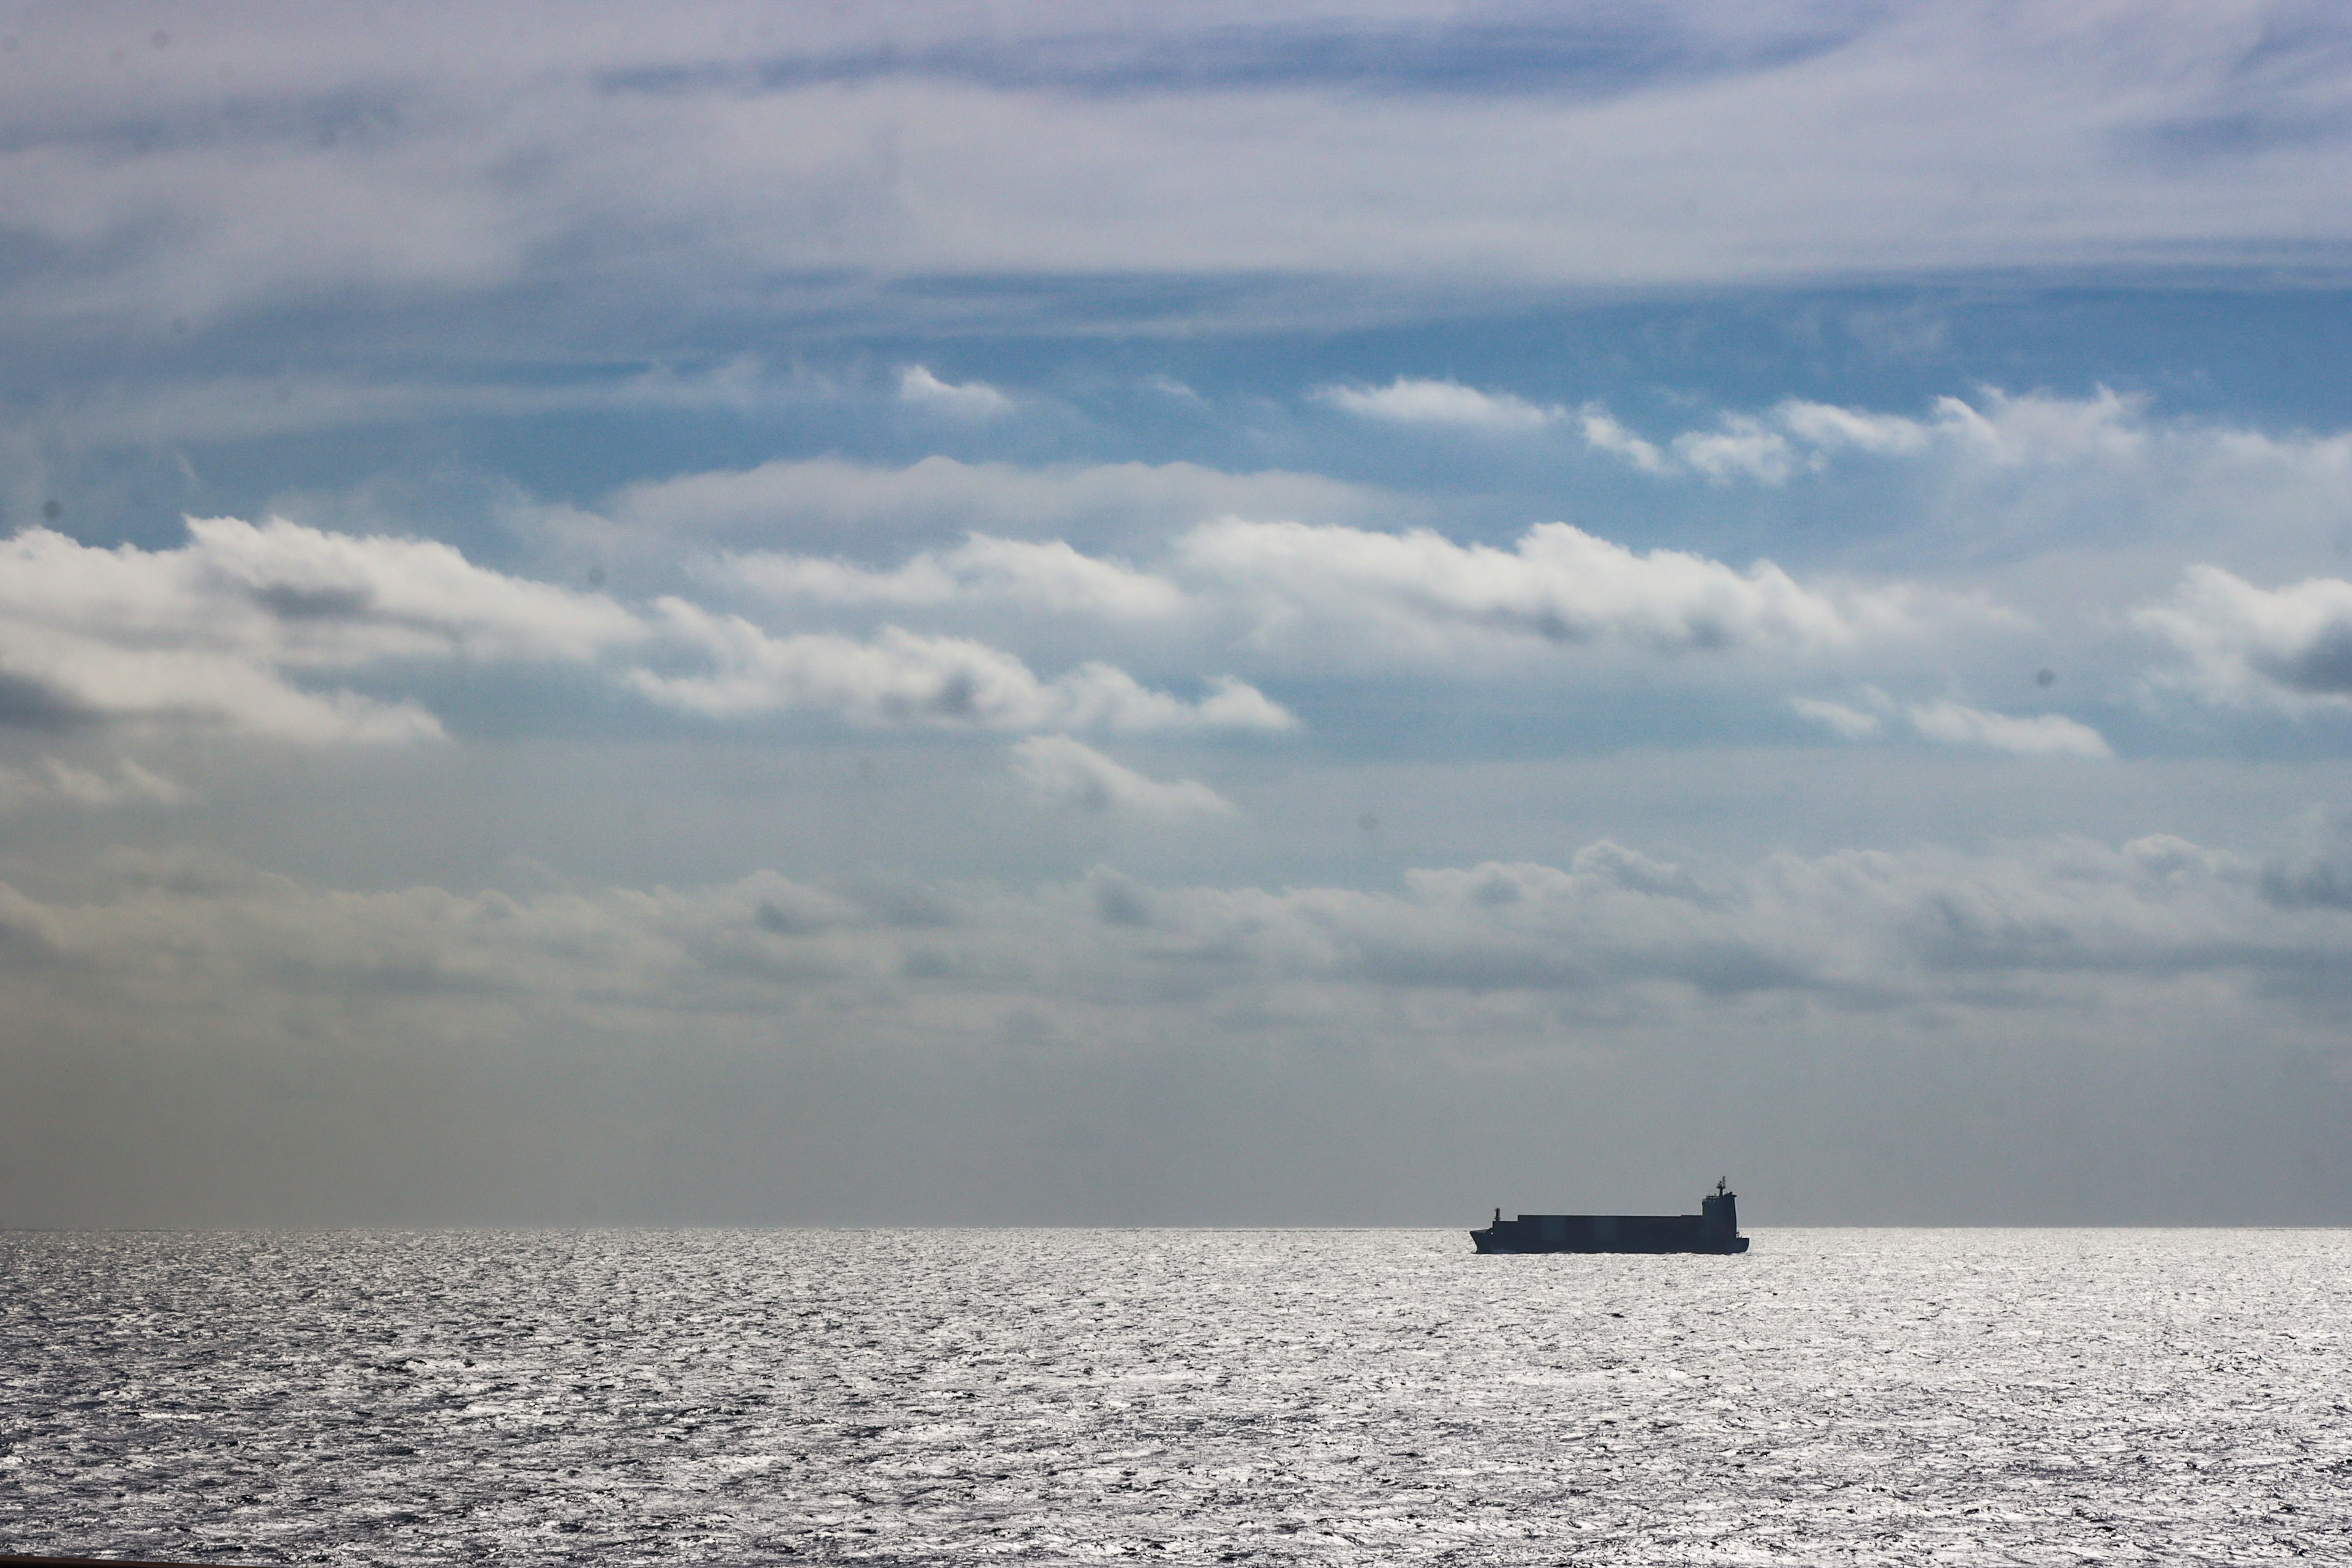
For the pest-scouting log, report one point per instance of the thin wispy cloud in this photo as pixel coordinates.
(1602, 433)
(918, 388)
(1060, 771)
(1995, 430)
(1949, 723)
(2035, 734)
(1049, 576)
(1407, 401)
(55, 782)
(1852, 723)
(791, 500)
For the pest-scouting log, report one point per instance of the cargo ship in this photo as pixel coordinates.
(1715, 1228)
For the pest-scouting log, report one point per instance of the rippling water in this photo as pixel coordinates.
(1186, 1397)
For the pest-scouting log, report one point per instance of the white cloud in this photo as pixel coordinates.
(1998, 431)
(1050, 576)
(1416, 593)
(1602, 433)
(2290, 648)
(1951, 723)
(1410, 401)
(2040, 734)
(2037, 427)
(335, 599)
(220, 630)
(905, 678)
(1336, 592)
(55, 780)
(959, 400)
(1851, 722)
(1373, 599)
(2057, 503)
(1060, 771)
(1741, 449)
(239, 626)
(211, 631)
(944, 498)
(1828, 428)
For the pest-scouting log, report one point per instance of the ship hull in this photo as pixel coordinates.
(1487, 1241)
(1715, 1230)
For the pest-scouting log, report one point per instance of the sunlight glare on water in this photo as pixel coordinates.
(1178, 1395)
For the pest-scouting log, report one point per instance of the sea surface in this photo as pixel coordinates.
(976, 1396)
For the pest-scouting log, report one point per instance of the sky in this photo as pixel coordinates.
(1222, 614)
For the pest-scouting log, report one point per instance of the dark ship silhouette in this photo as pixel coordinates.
(1715, 1228)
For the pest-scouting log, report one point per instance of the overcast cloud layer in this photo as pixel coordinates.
(1012, 615)
(1475, 144)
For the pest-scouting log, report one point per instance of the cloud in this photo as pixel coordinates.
(1339, 593)
(1613, 933)
(245, 625)
(1828, 428)
(1982, 487)
(1408, 401)
(1417, 593)
(1998, 431)
(223, 630)
(2008, 477)
(233, 1038)
(56, 781)
(212, 632)
(2321, 877)
(333, 599)
(1741, 449)
(2289, 647)
(1060, 771)
(1951, 723)
(2042, 734)
(1797, 437)
(1602, 433)
(1412, 149)
(938, 497)
(1050, 576)
(905, 678)
(1849, 723)
(967, 400)
(1378, 599)
(2055, 502)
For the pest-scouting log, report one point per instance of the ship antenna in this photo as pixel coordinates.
(1721, 1183)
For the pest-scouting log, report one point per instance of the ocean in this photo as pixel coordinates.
(1193, 1397)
